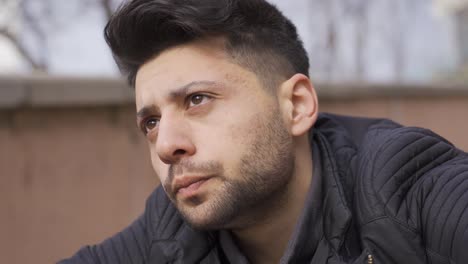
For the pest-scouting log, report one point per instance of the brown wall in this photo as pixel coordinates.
(71, 176)
(68, 177)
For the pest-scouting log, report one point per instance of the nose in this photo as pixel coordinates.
(173, 142)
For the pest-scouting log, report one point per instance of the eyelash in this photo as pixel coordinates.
(143, 125)
(193, 95)
(144, 122)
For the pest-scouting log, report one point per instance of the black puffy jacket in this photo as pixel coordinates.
(391, 194)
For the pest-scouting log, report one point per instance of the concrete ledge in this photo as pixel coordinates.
(355, 91)
(49, 91)
(40, 91)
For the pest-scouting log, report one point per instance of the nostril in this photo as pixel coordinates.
(179, 152)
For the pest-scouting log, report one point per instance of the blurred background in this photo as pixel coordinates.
(74, 168)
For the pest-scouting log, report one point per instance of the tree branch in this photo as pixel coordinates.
(107, 6)
(22, 50)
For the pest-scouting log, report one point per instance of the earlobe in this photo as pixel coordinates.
(300, 101)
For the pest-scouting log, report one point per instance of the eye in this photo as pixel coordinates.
(198, 99)
(149, 125)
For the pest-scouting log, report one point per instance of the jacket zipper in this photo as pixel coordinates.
(370, 259)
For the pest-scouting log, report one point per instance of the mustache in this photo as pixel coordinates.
(187, 166)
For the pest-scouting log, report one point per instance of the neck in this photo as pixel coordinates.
(266, 239)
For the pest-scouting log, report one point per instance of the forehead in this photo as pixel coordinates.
(185, 64)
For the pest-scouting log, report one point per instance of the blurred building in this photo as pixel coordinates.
(461, 17)
(458, 11)
(378, 41)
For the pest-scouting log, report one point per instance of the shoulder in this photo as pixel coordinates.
(418, 181)
(390, 164)
(442, 200)
(393, 162)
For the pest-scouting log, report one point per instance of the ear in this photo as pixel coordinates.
(298, 102)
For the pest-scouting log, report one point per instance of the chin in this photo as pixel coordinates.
(205, 224)
(206, 217)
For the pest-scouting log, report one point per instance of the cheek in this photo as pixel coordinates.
(230, 143)
(158, 166)
(241, 132)
(215, 143)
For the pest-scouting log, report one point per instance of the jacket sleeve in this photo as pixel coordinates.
(132, 245)
(444, 213)
(419, 181)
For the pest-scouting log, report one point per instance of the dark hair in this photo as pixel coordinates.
(257, 35)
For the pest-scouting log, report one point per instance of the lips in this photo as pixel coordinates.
(188, 185)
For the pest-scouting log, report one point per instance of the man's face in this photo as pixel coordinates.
(217, 139)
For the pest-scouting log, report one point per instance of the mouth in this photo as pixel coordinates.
(188, 186)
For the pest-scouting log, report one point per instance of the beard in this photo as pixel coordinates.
(257, 187)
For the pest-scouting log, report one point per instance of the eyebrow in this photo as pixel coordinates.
(179, 92)
(182, 91)
(145, 111)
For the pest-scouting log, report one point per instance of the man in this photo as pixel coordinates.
(250, 172)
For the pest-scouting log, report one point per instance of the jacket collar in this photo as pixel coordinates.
(336, 209)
